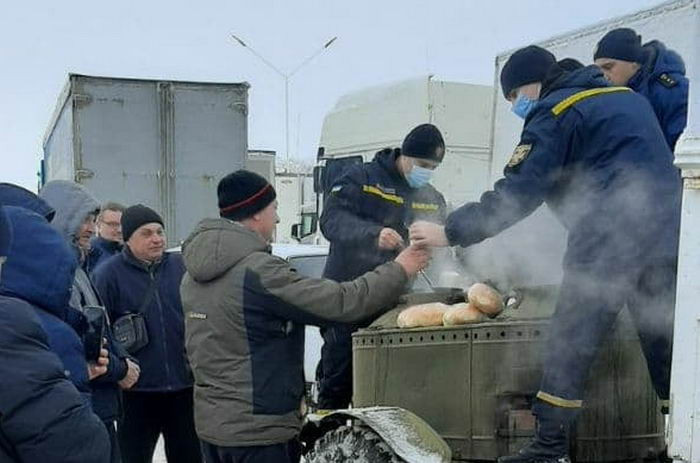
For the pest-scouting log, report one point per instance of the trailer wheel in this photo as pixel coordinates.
(352, 444)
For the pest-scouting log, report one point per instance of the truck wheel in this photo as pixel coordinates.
(352, 444)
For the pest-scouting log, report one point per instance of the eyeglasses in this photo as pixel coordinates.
(111, 224)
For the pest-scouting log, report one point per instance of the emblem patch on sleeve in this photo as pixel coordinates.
(519, 154)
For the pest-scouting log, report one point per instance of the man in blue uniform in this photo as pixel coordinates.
(597, 157)
(651, 70)
(366, 219)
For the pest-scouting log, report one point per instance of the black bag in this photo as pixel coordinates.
(94, 335)
(130, 329)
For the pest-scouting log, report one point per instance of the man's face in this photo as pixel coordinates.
(109, 226)
(267, 221)
(148, 242)
(618, 72)
(86, 232)
(532, 91)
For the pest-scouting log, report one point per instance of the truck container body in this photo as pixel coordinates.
(162, 143)
(369, 120)
(294, 192)
(262, 163)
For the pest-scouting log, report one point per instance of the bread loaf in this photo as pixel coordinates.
(422, 315)
(485, 299)
(461, 314)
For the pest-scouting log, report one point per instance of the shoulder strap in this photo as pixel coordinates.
(152, 288)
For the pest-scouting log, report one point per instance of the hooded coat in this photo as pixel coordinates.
(597, 157)
(245, 312)
(42, 415)
(72, 204)
(39, 270)
(662, 80)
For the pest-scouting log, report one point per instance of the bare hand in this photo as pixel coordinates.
(413, 259)
(132, 375)
(98, 368)
(389, 239)
(428, 234)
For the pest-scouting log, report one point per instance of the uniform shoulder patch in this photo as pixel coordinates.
(520, 154)
(667, 81)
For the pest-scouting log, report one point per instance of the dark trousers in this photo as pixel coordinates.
(586, 311)
(288, 452)
(335, 373)
(115, 455)
(147, 415)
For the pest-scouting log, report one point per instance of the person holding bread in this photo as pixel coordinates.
(365, 218)
(596, 155)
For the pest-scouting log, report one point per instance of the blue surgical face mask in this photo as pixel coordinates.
(419, 176)
(523, 105)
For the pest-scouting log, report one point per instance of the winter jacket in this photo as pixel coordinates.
(368, 198)
(245, 315)
(42, 415)
(39, 270)
(100, 250)
(596, 155)
(73, 203)
(123, 284)
(662, 80)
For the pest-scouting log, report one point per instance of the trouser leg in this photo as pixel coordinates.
(181, 441)
(335, 389)
(115, 455)
(288, 452)
(138, 432)
(652, 307)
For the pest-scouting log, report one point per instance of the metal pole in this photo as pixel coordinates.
(684, 422)
(286, 118)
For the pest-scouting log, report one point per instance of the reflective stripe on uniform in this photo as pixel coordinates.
(373, 190)
(559, 401)
(425, 207)
(565, 104)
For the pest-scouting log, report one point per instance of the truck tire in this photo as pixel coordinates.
(351, 444)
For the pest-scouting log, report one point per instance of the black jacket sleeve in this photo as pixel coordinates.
(42, 415)
(341, 220)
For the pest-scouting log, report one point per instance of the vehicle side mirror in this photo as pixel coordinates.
(295, 232)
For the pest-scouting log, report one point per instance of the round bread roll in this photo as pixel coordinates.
(461, 314)
(486, 299)
(422, 315)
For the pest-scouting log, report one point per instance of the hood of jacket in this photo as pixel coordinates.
(662, 60)
(15, 195)
(40, 265)
(216, 245)
(584, 78)
(72, 203)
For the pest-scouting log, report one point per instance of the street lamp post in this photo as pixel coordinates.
(286, 77)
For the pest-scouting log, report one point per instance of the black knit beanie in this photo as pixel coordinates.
(525, 66)
(137, 216)
(623, 44)
(424, 142)
(243, 194)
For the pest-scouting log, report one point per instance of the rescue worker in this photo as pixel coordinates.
(596, 155)
(366, 219)
(651, 70)
(245, 312)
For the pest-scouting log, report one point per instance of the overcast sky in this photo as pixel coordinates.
(378, 41)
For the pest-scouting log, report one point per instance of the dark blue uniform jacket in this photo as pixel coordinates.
(366, 199)
(42, 415)
(123, 283)
(596, 155)
(662, 80)
(39, 270)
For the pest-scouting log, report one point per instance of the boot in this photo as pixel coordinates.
(551, 442)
